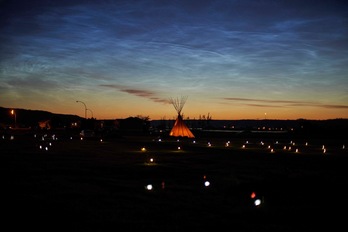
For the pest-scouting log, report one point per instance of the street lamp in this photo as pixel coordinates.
(15, 117)
(91, 112)
(85, 108)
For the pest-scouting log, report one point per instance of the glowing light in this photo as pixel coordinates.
(243, 146)
(149, 187)
(81, 138)
(151, 160)
(257, 202)
(12, 137)
(252, 195)
(194, 141)
(324, 150)
(296, 150)
(206, 183)
(143, 149)
(179, 148)
(306, 144)
(343, 147)
(284, 147)
(272, 150)
(40, 147)
(46, 148)
(101, 140)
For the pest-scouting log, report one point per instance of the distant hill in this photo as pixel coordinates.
(31, 118)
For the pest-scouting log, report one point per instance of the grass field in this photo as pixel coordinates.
(93, 185)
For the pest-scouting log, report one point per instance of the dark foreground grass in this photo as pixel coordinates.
(100, 186)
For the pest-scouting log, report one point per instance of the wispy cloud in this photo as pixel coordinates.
(282, 103)
(139, 92)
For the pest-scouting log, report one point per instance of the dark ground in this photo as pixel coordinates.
(100, 186)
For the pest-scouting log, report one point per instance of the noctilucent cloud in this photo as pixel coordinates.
(233, 59)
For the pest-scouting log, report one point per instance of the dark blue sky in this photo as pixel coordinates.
(233, 59)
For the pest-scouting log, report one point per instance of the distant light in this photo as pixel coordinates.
(143, 149)
(101, 140)
(257, 202)
(46, 148)
(252, 195)
(272, 150)
(12, 137)
(151, 160)
(296, 150)
(194, 141)
(149, 187)
(243, 146)
(343, 147)
(206, 183)
(179, 148)
(306, 144)
(50, 144)
(40, 147)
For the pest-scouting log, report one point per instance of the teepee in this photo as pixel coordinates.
(180, 129)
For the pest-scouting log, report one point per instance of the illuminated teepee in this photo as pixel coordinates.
(180, 129)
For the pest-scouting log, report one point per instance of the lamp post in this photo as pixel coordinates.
(85, 108)
(15, 117)
(91, 112)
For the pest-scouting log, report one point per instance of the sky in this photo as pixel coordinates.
(237, 59)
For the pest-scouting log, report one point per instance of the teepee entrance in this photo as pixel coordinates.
(180, 129)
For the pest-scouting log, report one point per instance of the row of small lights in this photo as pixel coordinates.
(289, 148)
